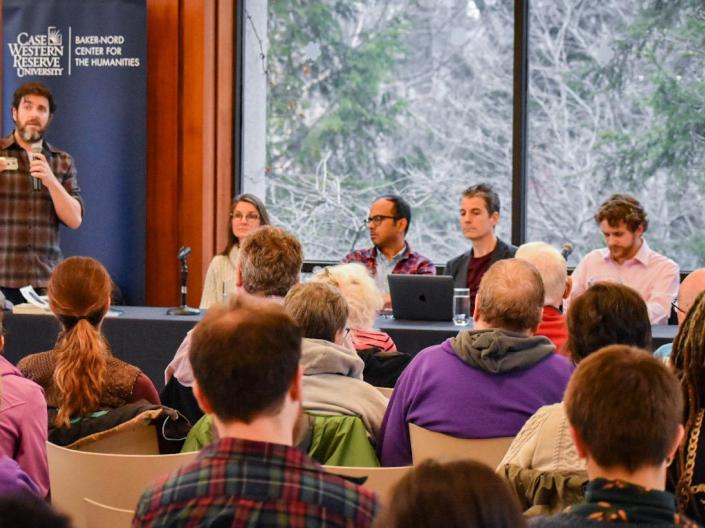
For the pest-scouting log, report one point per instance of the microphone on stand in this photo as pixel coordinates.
(358, 232)
(36, 183)
(184, 252)
(566, 250)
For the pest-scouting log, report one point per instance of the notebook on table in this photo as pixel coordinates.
(421, 297)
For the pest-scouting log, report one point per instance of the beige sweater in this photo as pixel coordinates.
(545, 444)
(220, 278)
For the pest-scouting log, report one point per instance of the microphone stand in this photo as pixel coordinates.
(183, 309)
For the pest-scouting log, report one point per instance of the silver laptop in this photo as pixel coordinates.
(421, 297)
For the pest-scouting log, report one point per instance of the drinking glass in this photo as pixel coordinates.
(461, 306)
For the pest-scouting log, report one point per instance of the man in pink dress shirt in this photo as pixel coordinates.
(628, 259)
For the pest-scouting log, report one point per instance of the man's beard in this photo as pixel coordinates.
(28, 135)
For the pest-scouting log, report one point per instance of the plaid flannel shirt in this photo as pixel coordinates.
(242, 483)
(411, 263)
(29, 226)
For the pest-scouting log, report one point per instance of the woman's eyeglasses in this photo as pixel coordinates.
(249, 217)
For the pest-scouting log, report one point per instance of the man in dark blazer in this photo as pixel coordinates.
(479, 214)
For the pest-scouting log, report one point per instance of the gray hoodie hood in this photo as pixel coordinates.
(496, 351)
(323, 357)
(333, 384)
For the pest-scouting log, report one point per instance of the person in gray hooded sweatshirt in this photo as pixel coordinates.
(486, 382)
(332, 382)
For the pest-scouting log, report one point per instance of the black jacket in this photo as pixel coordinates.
(458, 266)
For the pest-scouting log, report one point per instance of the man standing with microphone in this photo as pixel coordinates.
(38, 189)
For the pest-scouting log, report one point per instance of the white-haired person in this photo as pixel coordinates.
(383, 363)
(557, 285)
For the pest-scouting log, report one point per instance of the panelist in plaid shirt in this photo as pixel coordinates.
(38, 189)
(389, 220)
(245, 360)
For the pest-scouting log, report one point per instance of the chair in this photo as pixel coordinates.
(115, 480)
(386, 391)
(102, 516)
(427, 444)
(381, 480)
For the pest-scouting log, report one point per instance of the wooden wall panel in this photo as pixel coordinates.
(190, 61)
(163, 103)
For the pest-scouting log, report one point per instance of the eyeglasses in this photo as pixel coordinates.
(378, 219)
(675, 306)
(249, 217)
(347, 332)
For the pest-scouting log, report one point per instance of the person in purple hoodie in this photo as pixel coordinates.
(483, 383)
(23, 422)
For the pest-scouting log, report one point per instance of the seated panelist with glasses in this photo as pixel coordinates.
(247, 213)
(388, 222)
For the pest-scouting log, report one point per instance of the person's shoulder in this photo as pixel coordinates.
(358, 255)
(660, 260)
(456, 261)
(505, 249)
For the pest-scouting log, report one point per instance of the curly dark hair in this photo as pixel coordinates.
(625, 208)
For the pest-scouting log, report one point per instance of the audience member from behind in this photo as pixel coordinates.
(689, 289)
(628, 259)
(383, 363)
(556, 283)
(247, 213)
(332, 382)
(606, 314)
(246, 365)
(688, 360)
(479, 215)
(486, 382)
(624, 408)
(389, 220)
(268, 265)
(81, 376)
(453, 495)
(23, 423)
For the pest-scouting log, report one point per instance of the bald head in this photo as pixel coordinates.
(510, 297)
(691, 286)
(553, 269)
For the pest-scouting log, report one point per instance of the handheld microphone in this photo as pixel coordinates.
(36, 184)
(184, 252)
(566, 250)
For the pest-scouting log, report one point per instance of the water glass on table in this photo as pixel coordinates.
(461, 306)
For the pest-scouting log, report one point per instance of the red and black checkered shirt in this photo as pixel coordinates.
(411, 262)
(29, 226)
(240, 483)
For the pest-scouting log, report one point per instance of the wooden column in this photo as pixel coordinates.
(189, 146)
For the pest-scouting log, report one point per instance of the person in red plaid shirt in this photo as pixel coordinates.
(388, 223)
(38, 189)
(245, 360)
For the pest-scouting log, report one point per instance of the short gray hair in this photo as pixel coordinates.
(511, 296)
(552, 267)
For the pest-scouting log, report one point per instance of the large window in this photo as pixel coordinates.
(348, 100)
(345, 100)
(617, 104)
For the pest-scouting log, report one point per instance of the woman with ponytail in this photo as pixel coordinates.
(81, 376)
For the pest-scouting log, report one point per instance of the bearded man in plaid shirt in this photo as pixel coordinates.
(38, 189)
(245, 360)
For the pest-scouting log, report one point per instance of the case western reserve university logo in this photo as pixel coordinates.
(38, 55)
